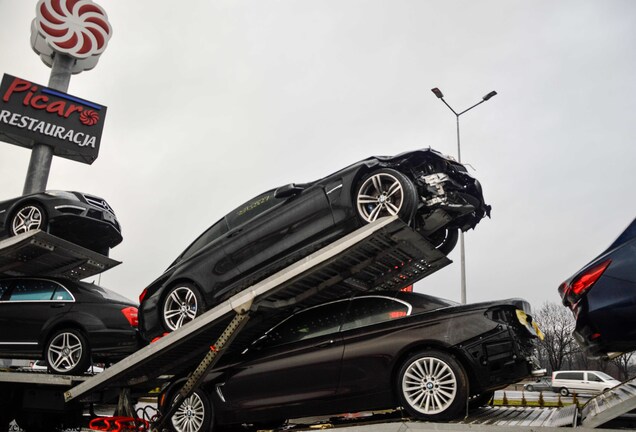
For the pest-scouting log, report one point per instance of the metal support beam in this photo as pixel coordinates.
(210, 359)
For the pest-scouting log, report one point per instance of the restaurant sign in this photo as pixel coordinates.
(31, 113)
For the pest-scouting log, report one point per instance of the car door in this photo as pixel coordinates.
(296, 365)
(370, 342)
(595, 383)
(272, 227)
(30, 304)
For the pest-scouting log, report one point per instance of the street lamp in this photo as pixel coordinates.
(437, 92)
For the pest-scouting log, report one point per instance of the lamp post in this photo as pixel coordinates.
(437, 92)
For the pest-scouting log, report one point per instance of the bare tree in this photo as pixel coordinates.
(558, 347)
(624, 365)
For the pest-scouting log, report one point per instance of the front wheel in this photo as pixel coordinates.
(27, 218)
(194, 414)
(432, 385)
(530, 387)
(386, 192)
(445, 239)
(182, 304)
(67, 352)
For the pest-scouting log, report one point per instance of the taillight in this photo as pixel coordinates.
(131, 315)
(408, 288)
(583, 282)
(143, 295)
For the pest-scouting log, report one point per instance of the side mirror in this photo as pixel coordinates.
(288, 191)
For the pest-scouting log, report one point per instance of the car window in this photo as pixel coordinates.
(208, 236)
(32, 290)
(62, 294)
(570, 376)
(365, 311)
(310, 323)
(593, 377)
(605, 376)
(252, 208)
(4, 288)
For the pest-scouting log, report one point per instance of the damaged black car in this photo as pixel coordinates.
(431, 192)
(376, 351)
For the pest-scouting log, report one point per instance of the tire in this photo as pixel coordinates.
(445, 239)
(385, 192)
(67, 352)
(194, 415)
(27, 217)
(480, 399)
(563, 391)
(530, 387)
(182, 304)
(432, 385)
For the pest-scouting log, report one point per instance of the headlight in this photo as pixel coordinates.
(62, 194)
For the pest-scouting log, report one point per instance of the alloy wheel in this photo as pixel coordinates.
(190, 415)
(429, 385)
(180, 307)
(27, 219)
(65, 352)
(380, 195)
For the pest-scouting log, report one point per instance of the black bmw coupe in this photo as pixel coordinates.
(431, 192)
(370, 352)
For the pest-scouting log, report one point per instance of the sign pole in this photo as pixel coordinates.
(42, 155)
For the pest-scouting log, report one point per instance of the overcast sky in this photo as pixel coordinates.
(212, 102)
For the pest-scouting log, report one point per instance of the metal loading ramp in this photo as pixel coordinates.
(609, 405)
(385, 254)
(37, 253)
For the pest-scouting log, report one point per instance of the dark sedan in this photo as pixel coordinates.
(371, 352)
(602, 297)
(65, 323)
(428, 190)
(80, 218)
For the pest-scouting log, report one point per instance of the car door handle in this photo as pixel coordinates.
(325, 344)
(58, 305)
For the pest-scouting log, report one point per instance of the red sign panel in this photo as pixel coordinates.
(31, 113)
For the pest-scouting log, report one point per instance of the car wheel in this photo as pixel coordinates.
(182, 304)
(27, 218)
(445, 239)
(432, 385)
(530, 387)
(67, 352)
(386, 192)
(563, 391)
(194, 414)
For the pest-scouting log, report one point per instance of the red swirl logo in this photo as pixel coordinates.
(78, 28)
(89, 118)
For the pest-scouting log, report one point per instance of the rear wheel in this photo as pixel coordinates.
(67, 352)
(194, 414)
(564, 391)
(27, 218)
(386, 192)
(432, 385)
(182, 304)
